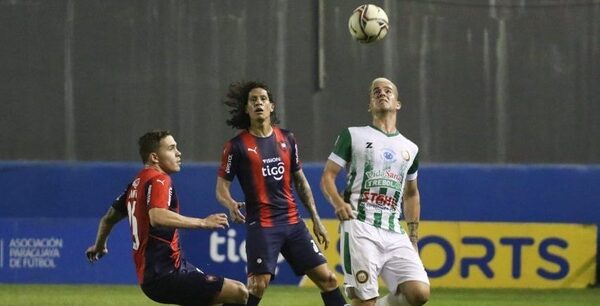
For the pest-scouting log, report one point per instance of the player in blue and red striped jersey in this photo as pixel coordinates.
(152, 207)
(265, 160)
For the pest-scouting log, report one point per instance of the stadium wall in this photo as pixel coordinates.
(483, 225)
(505, 81)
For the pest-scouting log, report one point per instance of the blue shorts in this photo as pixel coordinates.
(263, 245)
(186, 286)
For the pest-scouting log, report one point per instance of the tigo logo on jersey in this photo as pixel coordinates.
(276, 171)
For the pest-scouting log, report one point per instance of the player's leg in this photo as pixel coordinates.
(305, 257)
(324, 278)
(257, 285)
(186, 286)
(410, 293)
(262, 250)
(361, 258)
(232, 293)
(405, 272)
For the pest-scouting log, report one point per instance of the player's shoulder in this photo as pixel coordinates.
(237, 139)
(238, 136)
(284, 132)
(359, 130)
(362, 128)
(408, 142)
(153, 175)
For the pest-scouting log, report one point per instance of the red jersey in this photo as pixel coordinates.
(156, 251)
(264, 168)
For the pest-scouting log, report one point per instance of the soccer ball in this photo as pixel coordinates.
(368, 23)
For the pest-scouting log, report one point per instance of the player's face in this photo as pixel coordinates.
(259, 107)
(169, 157)
(384, 97)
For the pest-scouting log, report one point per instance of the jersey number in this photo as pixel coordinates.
(133, 223)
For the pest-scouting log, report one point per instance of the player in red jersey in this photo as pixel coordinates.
(152, 207)
(265, 160)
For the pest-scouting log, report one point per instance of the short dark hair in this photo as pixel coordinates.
(237, 98)
(150, 142)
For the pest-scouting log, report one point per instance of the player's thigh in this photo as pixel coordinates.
(403, 263)
(262, 249)
(323, 277)
(232, 292)
(362, 259)
(187, 287)
(300, 250)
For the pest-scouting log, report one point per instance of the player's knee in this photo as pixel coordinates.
(257, 287)
(418, 297)
(241, 293)
(330, 281)
(323, 278)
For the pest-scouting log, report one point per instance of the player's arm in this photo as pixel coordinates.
(105, 226)
(306, 197)
(412, 210)
(343, 210)
(162, 217)
(224, 197)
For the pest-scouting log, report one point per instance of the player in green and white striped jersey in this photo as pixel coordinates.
(381, 187)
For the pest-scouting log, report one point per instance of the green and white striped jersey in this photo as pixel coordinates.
(378, 165)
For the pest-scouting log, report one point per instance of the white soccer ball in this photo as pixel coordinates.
(368, 23)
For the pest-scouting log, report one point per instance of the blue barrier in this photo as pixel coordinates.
(49, 212)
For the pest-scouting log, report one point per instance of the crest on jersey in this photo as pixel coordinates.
(283, 145)
(388, 155)
(362, 276)
(405, 155)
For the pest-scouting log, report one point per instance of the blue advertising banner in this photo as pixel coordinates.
(52, 250)
(49, 212)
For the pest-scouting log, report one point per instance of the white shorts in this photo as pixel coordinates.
(369, 252)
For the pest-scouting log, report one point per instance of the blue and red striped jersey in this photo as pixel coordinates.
(156, 250)
(264, 168)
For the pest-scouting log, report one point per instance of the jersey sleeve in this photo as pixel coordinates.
(413, 170)
(295, 159)
(229, 160)
(120, 203)
(159, 192)
(342, 149)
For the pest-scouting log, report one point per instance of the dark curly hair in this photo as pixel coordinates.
(236, 100)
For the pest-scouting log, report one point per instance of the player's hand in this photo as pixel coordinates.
(216, 221)
(321, 234)
(344, 212)
(236, 214)
(93, 254)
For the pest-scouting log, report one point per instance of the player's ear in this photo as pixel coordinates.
(154, 158)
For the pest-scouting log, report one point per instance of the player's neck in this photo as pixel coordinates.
(154, 166)
(261, 129)
(386, 123)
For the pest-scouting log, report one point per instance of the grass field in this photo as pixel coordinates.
(104, 295)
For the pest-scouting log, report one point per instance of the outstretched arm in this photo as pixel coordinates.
(108, 221)
(164, 217)
(224, 197)
(343, 210)
(412, 210)
(305, 193)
